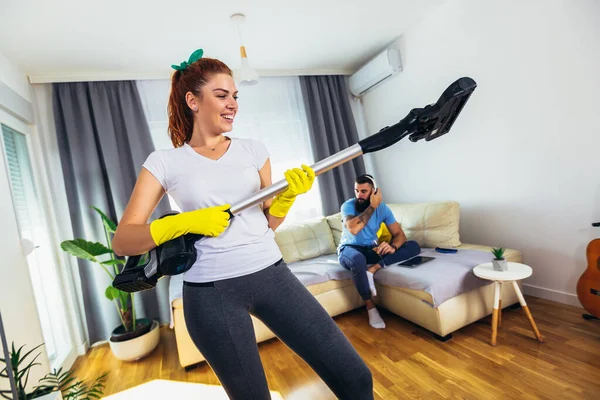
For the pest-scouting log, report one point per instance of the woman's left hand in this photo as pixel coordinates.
(299, 181)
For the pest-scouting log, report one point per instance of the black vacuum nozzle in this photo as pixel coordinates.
(135, 280)
(427, 123)
(436, 120)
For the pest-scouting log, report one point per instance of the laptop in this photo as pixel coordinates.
(415, 261)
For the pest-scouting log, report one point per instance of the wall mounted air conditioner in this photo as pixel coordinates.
(383, 66)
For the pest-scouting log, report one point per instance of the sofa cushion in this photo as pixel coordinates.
(430, 224)
(335, 224)
(383, 234)
(444, 277)
(319, 269)
(304, 240)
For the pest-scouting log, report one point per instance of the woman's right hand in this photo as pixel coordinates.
(210, 221)
(134, 235)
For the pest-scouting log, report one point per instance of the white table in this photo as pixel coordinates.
(515, 272)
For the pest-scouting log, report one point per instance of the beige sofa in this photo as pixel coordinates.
(310, 247)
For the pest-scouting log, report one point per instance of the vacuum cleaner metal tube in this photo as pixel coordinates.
(279, 187)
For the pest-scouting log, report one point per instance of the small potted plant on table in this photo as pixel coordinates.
(499, 262)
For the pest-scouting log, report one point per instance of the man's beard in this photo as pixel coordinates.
(361, 205)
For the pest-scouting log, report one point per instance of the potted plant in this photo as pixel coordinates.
(54, 385)
(499, 263)
(129, 341)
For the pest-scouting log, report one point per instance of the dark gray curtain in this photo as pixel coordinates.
(103, 140)
(332, 128)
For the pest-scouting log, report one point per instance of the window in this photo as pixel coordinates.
(271, 112)
(33, 227)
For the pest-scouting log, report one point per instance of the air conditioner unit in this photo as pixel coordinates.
(385, 65)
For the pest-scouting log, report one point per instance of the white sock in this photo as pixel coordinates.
(371, 284)
(375, 319)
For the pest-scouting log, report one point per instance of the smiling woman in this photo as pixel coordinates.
(203, 92)
(240, 268)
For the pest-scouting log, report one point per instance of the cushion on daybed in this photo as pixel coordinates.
(305, 240)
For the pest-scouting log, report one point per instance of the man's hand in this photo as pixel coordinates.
(376, 198)
(384, 248)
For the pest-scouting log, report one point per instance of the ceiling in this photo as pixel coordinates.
(71, 39)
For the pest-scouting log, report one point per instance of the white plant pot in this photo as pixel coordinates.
(500, 265)
(139, 347)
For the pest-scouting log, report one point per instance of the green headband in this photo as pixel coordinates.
(193, 58)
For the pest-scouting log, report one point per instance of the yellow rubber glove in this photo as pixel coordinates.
(299, 181)
(210, 221)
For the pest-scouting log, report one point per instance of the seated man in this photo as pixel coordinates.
(359, 250)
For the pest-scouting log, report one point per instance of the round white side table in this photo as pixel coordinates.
(515, 272)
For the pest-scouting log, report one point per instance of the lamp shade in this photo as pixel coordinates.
(245, 75)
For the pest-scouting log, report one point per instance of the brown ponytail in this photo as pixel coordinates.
(192, 79)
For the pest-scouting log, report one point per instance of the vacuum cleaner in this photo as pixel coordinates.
(142, 272)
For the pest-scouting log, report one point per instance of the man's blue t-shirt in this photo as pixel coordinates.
(368, 235)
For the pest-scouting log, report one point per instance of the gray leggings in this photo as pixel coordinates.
(217, 316)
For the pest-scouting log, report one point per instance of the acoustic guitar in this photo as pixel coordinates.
(588, 286)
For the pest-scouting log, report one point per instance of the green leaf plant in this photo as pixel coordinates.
(498, 253)
(105, 257)
(65, 382)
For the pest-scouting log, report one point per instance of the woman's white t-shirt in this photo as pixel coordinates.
(193, 181)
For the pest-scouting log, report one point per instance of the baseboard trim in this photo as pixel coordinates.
(551, 294)
(99, 343)
(83, 348)
(70, 360)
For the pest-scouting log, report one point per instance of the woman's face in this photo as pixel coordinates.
(218, 104)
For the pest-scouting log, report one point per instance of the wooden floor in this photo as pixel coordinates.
(407, 362)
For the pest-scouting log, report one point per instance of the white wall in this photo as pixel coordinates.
(523, 159)
(12, 76)
(17, 301)
(358, 111)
